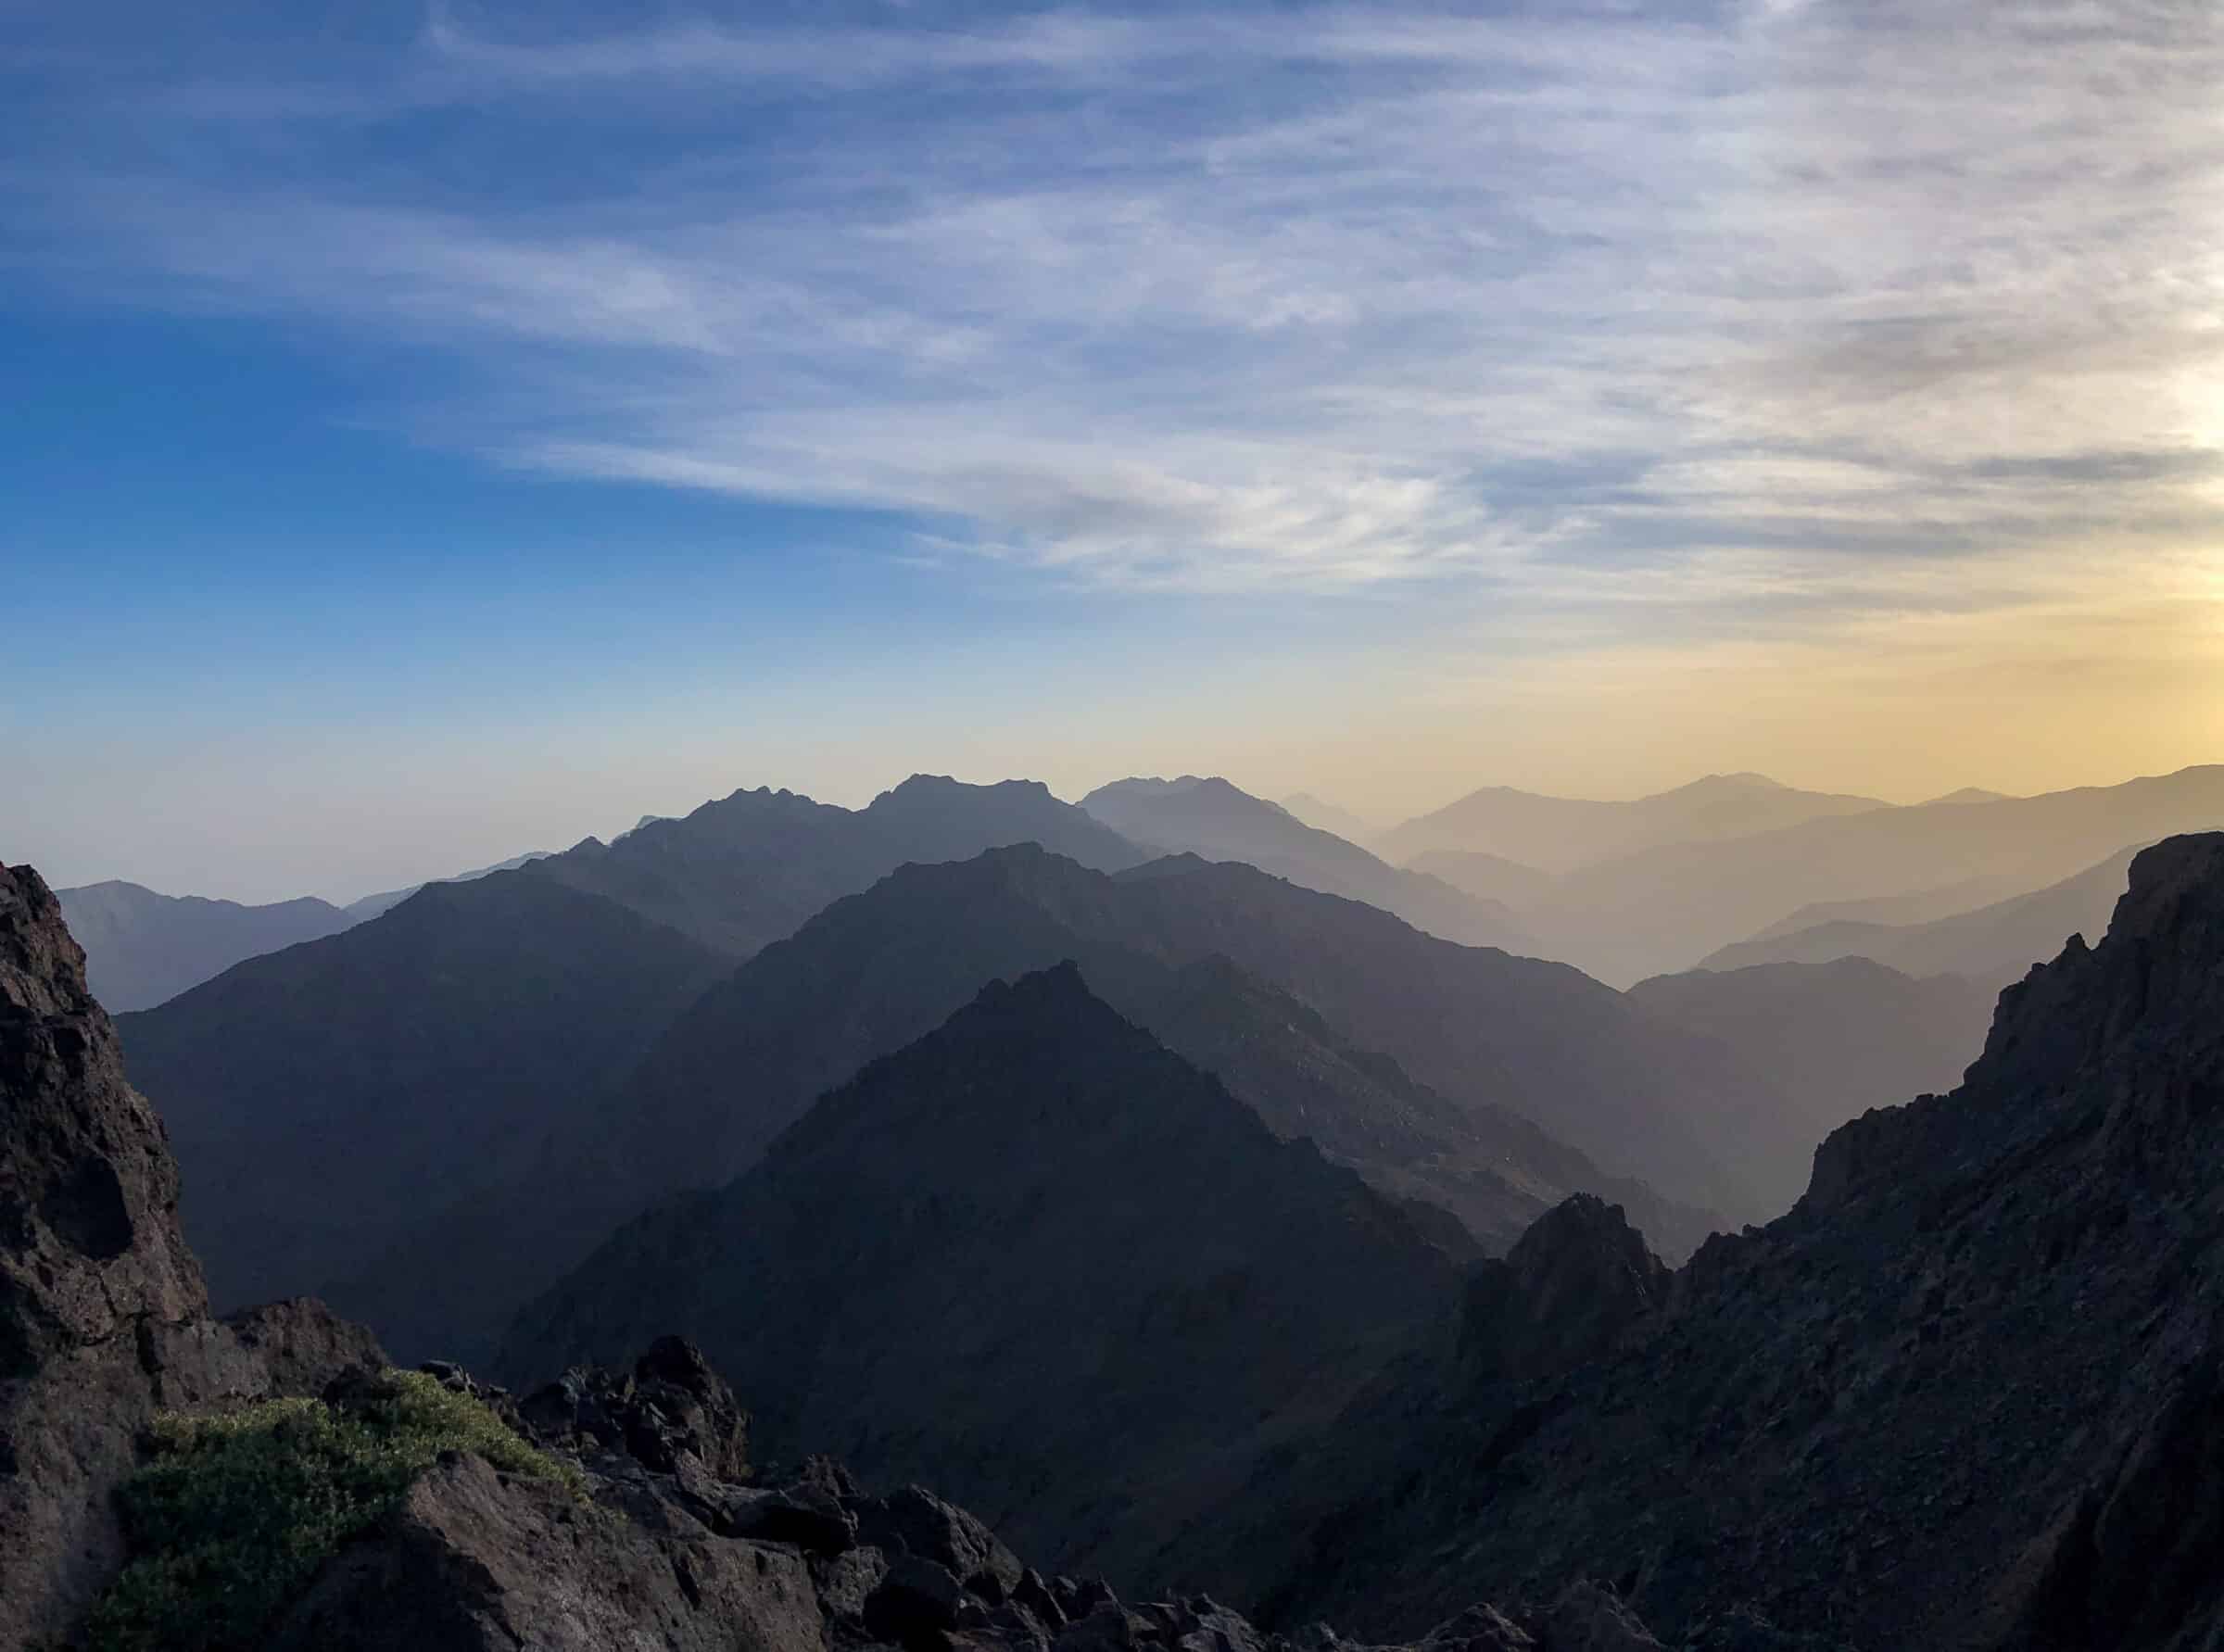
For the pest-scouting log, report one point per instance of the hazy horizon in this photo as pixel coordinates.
(442, 431)
(64, 865)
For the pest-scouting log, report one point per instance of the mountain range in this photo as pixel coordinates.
(1992, 944)
(1664, 907)
(1964, 1393)
(142, 948)
(1560, 834)
(1209, 817)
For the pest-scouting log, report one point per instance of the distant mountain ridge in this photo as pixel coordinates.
(1558, 835)
(744, 870)
(1992, 944)
(1209, 817)
(142, 947)
(883, 966)
(1665, 908)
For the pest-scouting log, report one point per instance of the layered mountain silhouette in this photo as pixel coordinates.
(1992, 944)
(353, 1111)
(1665, 908)
(142, 948)
(1915, 906)
(1561, 834)
(743, 871)
(370, 1510)
(1830, 1041)
(1493, 1034)
(1966, 1394)
(1209, 817)
(1036, 1259)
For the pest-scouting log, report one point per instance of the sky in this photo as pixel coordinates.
(430, 432)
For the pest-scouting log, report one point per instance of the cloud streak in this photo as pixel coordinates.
(1559, 301)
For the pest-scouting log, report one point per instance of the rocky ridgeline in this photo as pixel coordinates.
(675, 1550)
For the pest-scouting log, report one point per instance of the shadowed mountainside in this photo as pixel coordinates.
(1492, 1033)
(324, 1099)
(1034, 1258)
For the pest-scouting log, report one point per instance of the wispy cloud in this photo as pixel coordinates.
(1613, 299)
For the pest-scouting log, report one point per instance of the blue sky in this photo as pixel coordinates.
(435, 432)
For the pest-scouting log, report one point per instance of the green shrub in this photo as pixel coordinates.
(234, 1514)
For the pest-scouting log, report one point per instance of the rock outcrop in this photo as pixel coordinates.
(1967, 1394)
(104, 1318)
(664, 1553)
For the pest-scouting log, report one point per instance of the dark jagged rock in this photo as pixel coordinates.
(480, 1561)
(1576, 1281)
(103, 1316)
(670, 1408)
(1967, 1394)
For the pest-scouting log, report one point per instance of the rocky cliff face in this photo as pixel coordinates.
(1967, 1394)
(103, 1316)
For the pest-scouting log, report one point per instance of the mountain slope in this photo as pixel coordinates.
(142, 948)
(1831, 1041)
(369, 906)
(1964, 1395)
(1993, 945)
(1665, 908)
(1561, 834)
(1035, 1258)
(1489, 1032)
(323, 1100)
(746, 869)
(1211, 818)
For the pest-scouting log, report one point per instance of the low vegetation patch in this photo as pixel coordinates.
(232, 1515)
